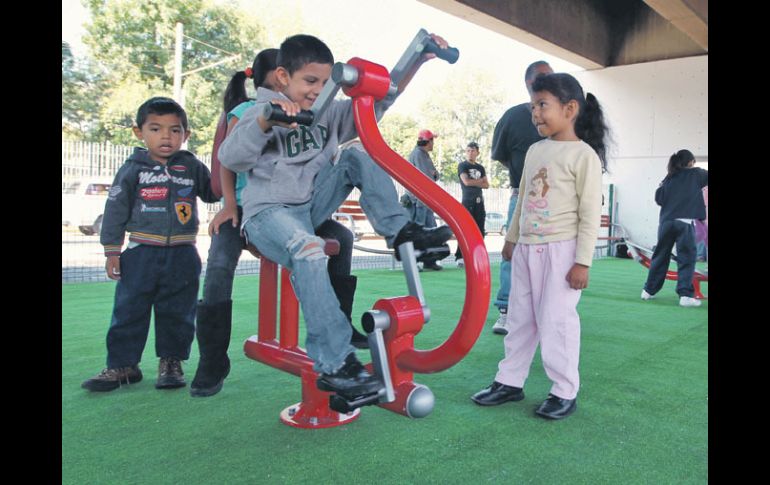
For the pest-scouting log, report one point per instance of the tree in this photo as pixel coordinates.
(80, 95)
(399, 132)
(135, 42)
(466, 111)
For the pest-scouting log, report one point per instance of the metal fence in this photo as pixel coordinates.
(83, 256)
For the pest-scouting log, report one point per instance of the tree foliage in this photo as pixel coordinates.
(135, 44)
(80, 96)
(399, 132)
(467, 110)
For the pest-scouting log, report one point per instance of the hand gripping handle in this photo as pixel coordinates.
(274, 112)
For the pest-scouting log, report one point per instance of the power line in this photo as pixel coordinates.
(209, 45)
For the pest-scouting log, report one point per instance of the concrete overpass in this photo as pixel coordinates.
(594, 34)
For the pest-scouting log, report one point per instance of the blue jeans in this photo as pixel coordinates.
(683, 235)
(226, 248)
(161, 278)
(501, 301)
(224, 253)
(285, 235)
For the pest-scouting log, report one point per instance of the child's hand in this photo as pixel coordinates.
(223, 216)
(508, 250)
(113, 267)
(440, 42)
(578, 277)
(289, 107)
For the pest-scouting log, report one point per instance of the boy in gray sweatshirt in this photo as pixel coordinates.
(295, 184)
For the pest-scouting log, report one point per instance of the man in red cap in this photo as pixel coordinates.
(419, 212)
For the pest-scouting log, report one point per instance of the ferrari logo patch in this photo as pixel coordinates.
(183, 211)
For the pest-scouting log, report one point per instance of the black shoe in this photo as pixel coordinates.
(556, 408)
(497, 394)
(352, 379)
(432, 265)
(421, 237)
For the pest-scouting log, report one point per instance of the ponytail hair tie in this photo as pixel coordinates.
(248, 72)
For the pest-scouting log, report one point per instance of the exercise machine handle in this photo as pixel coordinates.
(274, 112)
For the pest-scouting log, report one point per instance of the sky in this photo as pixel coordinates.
(380, 31)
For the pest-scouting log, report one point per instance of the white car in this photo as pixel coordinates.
(82, 205)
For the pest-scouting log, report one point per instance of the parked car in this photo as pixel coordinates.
(495, 222)
(82, 205)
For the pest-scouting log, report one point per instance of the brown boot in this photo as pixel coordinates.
(111, 379)
(170, 374)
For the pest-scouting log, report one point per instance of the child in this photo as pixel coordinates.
(680, 197)
(214, 313)
(293, 186)
(555, 224)
(153, 197)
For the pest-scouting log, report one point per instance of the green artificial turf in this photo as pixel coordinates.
(642, 409)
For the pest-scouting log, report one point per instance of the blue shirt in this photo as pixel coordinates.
(240, 178)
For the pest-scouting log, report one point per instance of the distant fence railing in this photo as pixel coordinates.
(87, 159)
(82, 256)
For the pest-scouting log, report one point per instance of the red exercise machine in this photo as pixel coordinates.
(393, 322)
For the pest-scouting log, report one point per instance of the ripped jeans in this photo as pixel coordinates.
(285, 234)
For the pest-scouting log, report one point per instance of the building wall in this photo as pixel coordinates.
(653, 109)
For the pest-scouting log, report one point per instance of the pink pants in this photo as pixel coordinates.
(542, 308)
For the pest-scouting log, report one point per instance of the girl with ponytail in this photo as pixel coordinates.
(214, 312)
(680, 197)
(551, 243)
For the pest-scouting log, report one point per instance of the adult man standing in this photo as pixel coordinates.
(418, 211)
(473, 178)
(512, 138)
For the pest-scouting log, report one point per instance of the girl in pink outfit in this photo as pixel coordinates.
(550, 244)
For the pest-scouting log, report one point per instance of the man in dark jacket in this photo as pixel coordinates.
(512, 138)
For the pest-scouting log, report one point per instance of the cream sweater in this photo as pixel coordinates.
(560, 197)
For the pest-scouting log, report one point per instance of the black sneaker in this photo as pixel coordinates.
(432, 265)
(352, 379)
(421, 237)
(170, 374)
(111, 379)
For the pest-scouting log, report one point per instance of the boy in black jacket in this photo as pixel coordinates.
(153, 198)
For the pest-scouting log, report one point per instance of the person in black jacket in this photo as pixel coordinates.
(680, 198)
(153, 198)
(513, 136)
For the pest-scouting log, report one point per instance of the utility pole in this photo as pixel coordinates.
(178, 65)
(178, 74)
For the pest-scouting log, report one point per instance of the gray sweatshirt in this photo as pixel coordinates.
(282, 163)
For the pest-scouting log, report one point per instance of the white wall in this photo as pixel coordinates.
(653, 109)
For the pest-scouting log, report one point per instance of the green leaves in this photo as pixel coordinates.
(132, 47)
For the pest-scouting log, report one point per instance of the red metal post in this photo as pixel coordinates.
(268, 298)
(478, 286)
(289, 312)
